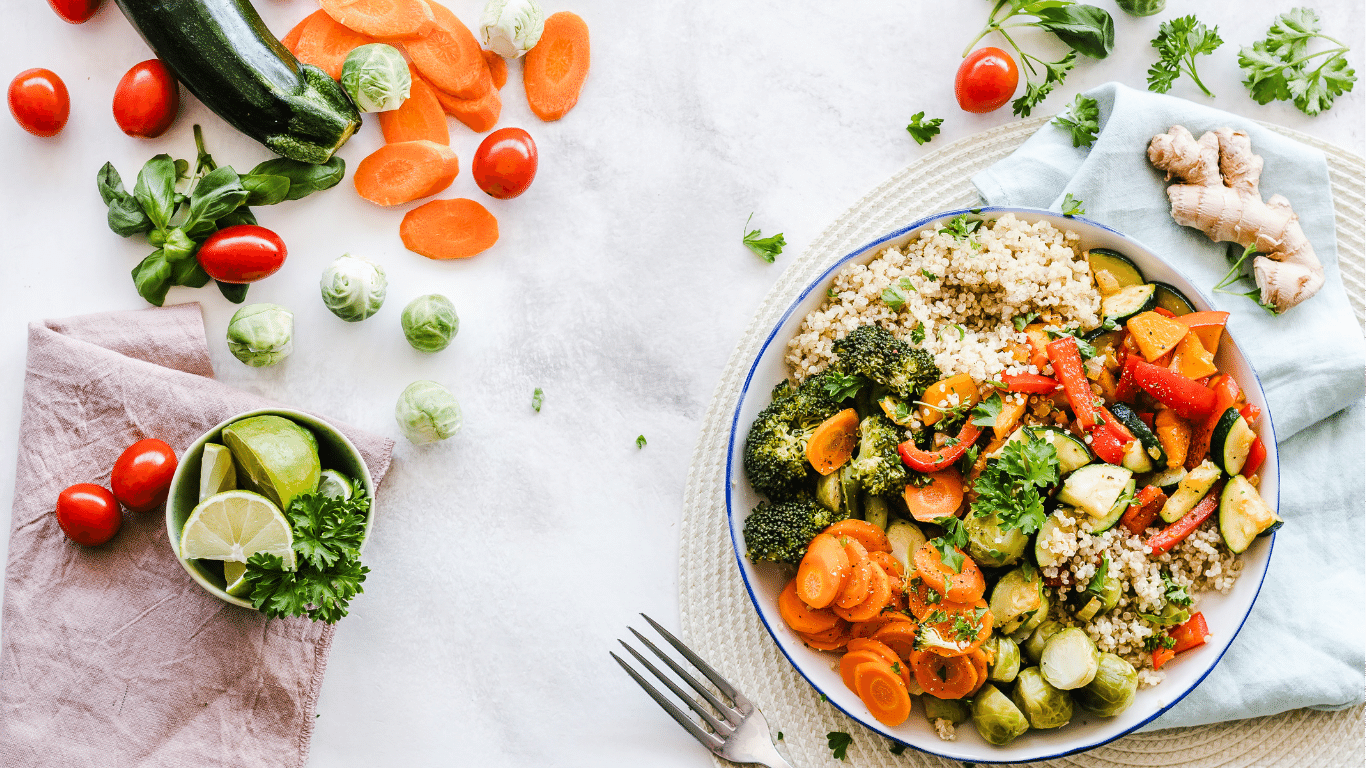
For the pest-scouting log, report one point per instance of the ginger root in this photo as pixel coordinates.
(1218, 195)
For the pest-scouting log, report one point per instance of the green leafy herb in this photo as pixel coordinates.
(1175, 593)
(327, 535)
(1153, 642)
(965, 630)
(1009, 486)
(1235, 273)
(923, 132)
(959, 227)
(928, 275)
(987, 411)
(824, 698)
(896, 749)
(1281, 68)
(841, 386)
(1021, 321)
(766, 248)
(954, 539)
(831, 293)
(640, 442)
(1178, 42)
(1086, 349)
(1097, 584)
(1082, 120)
(1071, 206)
(918, 334)
(537, 398)
(838, 741)
(893, 298)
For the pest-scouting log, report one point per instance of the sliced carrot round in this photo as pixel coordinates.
(325, 44)
(878, 598)
(944, 677)
(899, 637)
(851, 659)
(832, 443)
(979, 665)
(941, 497)
(479, 114)
(870, 627)
(291, 39)
(419, 117)
(876, 646)
(961, 587)
(554, 70)
(449, 229)
(403, 172)
(888, 562)
(385, 19)
(802, 617)
(870, 536)
(822, 572)
(883, 692)
(498, 69)
(825, 641)
(857, 586)
(450, 57)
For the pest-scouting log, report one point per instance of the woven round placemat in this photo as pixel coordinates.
(719, 622)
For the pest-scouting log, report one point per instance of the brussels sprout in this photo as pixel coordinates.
(427, 412)
(1005, 659)
(261, 334)
(954, 710)
(1033, 646)
(1044, 705)
(1112, 690)
(353, 287)
(1069, 659)
(430, 322)
(1170, 615)
(376, 78)
(990, 544)
(1014, 595)
(828, 491)
(875, 511)
(510, 28)
(996, 717)
(1032, 619)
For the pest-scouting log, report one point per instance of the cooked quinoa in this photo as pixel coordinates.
(964, 292)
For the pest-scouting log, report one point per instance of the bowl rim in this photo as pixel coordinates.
(182, 473)
(992, 212)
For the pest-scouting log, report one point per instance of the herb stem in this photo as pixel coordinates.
(1190, 69)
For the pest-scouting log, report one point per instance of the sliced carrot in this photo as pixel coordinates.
(449, 229)
(943, 636)
(854, 657)
(1174, 433)
(870, 536)
(291, 39)
(941, 497)
(403, 172)
(878, 598)
(979, 665)
(1154, 334)
(802, 617)
(836, 634)
(876, 646)
(962, 587)
(451, 58)
(888, 562)
(498, 69)
(387, 19)
(870, 627)
(833, 442)
(478, 114)
(899, 636)
(325, 44)
(822, 572)
(944, 677)
(420, 116)
(919, 597)
(821, 643)
(858, 586)
(883, 692)
(555, 68)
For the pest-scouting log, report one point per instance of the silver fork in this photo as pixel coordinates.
(741, 738)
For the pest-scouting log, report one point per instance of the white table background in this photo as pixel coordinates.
(507, 560)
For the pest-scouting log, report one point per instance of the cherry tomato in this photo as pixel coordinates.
(142, 476)
(505, 163)
(75, 11)
(39, 101)
(147, 100)
(986, 80)
(88, 514)
(242, 254)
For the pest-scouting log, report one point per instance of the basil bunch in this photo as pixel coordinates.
(177, 210)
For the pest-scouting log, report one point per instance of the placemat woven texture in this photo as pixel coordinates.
(721, 625)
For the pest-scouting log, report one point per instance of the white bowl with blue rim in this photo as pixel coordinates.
(1225, 613)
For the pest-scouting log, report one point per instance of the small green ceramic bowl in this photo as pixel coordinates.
(334, 450)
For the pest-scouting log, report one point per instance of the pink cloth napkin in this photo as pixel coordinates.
(112, 656)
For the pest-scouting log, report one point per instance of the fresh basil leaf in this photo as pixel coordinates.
(126, 217)
(178, 246)
(182, 170)
(304, 178)
(265, 190)
(155, 189)
(216, 195)
(234, 292)
(110, 184)
(152, 277)
(189, 273)
(1088, 30)
(242, 215)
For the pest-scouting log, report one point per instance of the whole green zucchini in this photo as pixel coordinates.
(225, 56)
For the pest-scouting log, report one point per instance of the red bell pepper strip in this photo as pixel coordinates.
(1255, 456)
(1250, 413)
(1068, 368)
(1162, 656)
(1108, 444)
(933, 461)
(1191, 634)
(1186, 397)
(1164, 312)
(1116, 425)
(1029, 383)
(1227, 394)
(1143, 511)
(1177, 532)
(1127, 389)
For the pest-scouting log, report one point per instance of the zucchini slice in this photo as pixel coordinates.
(1151, 445)
(1124, 271)
(1072, 453)
(1168, 478)
(1095, 488)
(1191, 490)
(1130, 301)
(1136, 459)
(1098, 525)
(1231, 441)
(1243, 515)
(1173, 300)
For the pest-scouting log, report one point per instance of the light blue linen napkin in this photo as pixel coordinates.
(1303, 645)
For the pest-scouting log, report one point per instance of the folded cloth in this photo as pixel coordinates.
(112, 655)
(1302, 646)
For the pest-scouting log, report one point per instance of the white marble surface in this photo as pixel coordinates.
(507, 560)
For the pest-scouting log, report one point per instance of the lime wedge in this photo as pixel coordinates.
(216, 471)
(277, 456)
(232, 574)
(335, 484)
(234, 525)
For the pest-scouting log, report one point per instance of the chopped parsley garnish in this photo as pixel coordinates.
(1097, 583)
(918, 333)
(928, 274)
(537, 398)
(955, 538)
(640, 441)
(924, 131)
(1175, 593)
(959, 227)
(1071, 206)
(766, 248)
(1082, 120)
(841, 386)
(1153, 642)
(831, 293)
(1021, 321)
(895, 296)
(838, 741)
(965, 631)
(987, 411)
(896, 749)
(1009, 486)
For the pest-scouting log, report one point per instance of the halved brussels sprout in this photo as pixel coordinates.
(376, 78)
(828, 492)
(1044, 705)
(996, 716)
(875, 510)
(1034, 644)
(1069, 659)
(1017, 592)
(430, 322)
(990, 544)
(954, 710)
(1112, 690)
(1032, 619)
(261, 334)
(1005, 663)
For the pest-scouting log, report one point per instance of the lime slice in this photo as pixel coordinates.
(335, 484)
(217, 473)
(234, 525)
(277, 456)
(232, 574)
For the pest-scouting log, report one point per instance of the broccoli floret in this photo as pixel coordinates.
(775, 450)
(780, 532)
(873, 352)
(878, 466)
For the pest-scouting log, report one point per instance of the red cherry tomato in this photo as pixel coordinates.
(147, 100)
(88, 514)
(242, 254)
(142, 475)
(505, 163)
(986, 80)
(75, 11)
(39, 101)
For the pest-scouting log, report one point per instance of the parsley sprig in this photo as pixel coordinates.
(841, 386)
(327, 536)
(1071, 206)
(924, 131)
(839, 742)
(1281, 68)
(1178, 42)
(1082, 120)
(766, 248)
(949, 545)
(1235, 273)
(960, 227)
(1009, 487)
(1175, 593)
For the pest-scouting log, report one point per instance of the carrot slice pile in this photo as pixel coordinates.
(801, 617)
(870, 627)
(870, 536)
(498, 69)
(878, 598)
(451, 58)
(383, 19)
(822, 572)
(479, 115)
(450, 229)
(403, 172)
(554, 69)
(419, 118)
(325, 44)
